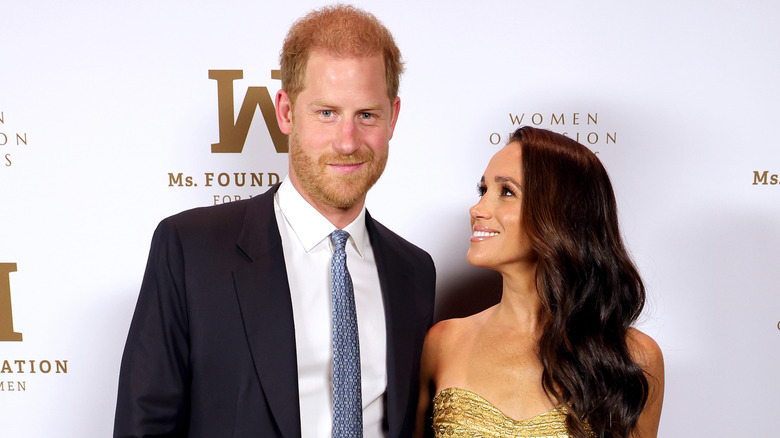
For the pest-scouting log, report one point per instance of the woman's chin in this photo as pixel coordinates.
(479, 260)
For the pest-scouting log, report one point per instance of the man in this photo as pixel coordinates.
(232, 334)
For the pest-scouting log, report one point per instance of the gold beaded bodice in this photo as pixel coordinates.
(458, 413)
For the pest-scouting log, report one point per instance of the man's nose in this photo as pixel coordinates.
(347, 142)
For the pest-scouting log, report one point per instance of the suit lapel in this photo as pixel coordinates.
(266, 308)
(402, 324)
(264, 298)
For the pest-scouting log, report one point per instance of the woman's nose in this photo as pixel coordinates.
(478, 210)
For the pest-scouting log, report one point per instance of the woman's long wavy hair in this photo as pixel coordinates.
(590, 289)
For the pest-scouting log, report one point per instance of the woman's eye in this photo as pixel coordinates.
(506, 191)
(481, 189)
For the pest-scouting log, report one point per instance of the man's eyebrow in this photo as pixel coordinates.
(329, 104)
(322, 102)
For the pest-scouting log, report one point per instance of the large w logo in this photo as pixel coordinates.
(233, 131)
(7, 332)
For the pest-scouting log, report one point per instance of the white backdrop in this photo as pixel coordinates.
(100, 102)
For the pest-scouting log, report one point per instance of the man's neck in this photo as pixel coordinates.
(339, 217)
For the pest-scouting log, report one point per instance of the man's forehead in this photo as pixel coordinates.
(343, 54)
(323, 58)
(329, 56)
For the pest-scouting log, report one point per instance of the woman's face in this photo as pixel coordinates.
(497, 239)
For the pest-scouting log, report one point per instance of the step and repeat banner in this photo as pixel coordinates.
(111, 116)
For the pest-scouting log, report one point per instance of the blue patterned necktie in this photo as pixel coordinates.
(347, 407)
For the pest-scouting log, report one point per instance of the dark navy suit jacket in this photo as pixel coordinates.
(211, 348)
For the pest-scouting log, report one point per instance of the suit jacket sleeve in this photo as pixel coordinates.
(408, 280)
(154, 375)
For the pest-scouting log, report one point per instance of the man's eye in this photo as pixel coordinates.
(366, 116)
(326, 113)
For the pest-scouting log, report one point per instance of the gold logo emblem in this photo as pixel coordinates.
(233, 130)
(7, 332)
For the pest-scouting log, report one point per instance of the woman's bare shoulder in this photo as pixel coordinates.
(646, 352)
(451, 332)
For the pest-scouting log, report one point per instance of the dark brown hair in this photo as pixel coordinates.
(340, 30)
(590, 289)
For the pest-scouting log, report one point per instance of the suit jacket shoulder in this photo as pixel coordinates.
(408, 280)
(211, 349)
(392, 241)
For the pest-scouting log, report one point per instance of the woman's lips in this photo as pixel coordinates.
(482, 233)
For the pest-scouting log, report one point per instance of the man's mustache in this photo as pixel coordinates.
(360, 156)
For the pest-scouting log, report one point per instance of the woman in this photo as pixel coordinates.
(557, 356)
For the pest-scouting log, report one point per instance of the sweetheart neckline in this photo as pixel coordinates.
(553, 411)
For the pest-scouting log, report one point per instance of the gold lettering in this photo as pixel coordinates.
(175, 180)
(23, 140)
(760, 178)
(44, 366)
(10, 387)
(557, 121)
(226, 199)
(594, 117)
(515, 121)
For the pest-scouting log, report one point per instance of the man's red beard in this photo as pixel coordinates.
(336, 190)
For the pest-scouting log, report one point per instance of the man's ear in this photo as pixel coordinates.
(284, 112)
(396, 109)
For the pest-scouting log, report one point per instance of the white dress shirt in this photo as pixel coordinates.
(307, 255)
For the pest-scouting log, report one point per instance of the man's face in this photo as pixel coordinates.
(340, 126)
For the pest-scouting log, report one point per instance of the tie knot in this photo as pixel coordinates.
(339, 239)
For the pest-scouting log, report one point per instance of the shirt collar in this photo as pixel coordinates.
(310, 226)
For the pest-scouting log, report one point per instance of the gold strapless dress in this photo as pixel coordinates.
(458, 413)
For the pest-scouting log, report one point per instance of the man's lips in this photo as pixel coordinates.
(345, 167)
